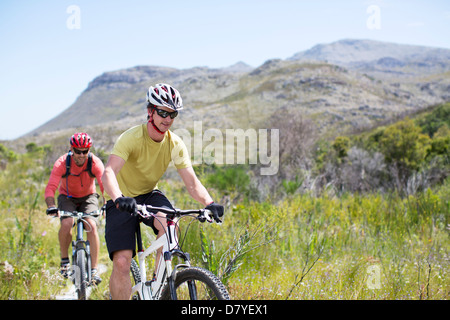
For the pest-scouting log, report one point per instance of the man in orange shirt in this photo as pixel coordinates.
(77, 192)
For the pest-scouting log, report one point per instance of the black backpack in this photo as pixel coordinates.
(88, 168)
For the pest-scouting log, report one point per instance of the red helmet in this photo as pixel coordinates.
(81, 140)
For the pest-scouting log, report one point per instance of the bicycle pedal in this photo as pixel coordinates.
(94, 282)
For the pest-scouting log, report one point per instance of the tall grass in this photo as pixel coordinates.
(26, 248)
(334, 244)
(355, 246)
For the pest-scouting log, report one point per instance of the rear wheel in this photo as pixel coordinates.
(195, 283)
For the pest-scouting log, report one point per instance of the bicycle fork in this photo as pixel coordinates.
(84, 246)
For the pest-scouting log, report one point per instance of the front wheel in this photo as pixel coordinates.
(134, 268)
(81, 274)
(195, 283)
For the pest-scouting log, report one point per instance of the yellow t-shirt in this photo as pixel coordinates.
(147, 160)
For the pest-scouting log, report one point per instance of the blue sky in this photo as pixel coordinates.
(46, 64)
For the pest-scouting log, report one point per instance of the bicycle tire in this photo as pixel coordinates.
(80, 259)
(134, 268)
(206, 284)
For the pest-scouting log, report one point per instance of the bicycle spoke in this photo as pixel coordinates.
(194, 290)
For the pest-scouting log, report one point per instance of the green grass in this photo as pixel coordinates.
(341, 240)
(300, 247)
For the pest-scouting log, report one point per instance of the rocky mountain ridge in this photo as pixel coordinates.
(342, 85)
(365, 54)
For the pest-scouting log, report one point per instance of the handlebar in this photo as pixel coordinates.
(95, 214)
(202, 214)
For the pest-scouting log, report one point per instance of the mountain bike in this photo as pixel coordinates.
(178, 282)
(81, 253)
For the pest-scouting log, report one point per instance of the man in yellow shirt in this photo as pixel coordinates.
(139, 158)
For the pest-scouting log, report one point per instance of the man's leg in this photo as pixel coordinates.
(65, 236)
(120, 282)
(90, 204)
(120, 239)
(65, 231)
(161, 226)
(92, 236)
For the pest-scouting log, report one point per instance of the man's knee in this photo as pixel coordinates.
(122, 260)
(90, 225)
(160, 223)
(66, 224)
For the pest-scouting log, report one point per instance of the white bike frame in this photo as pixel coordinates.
(169, 242)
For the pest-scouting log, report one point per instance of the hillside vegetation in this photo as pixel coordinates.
(359, 216)
(346, 84)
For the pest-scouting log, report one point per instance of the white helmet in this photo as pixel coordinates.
(164, 95)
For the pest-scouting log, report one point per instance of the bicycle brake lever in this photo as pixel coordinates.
(207, 214)
(140, 210)
(202, 217)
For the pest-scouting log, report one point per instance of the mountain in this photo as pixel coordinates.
(372, 56)
(344, 85)
(238, 67)
(120, 94)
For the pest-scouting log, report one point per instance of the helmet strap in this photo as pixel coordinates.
(154, 125)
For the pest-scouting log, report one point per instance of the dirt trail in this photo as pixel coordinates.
(71, 293)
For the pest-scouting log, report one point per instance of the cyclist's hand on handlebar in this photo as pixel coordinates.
(126, 204)
(52, 211)
(217, 211)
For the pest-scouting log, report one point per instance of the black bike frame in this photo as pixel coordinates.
(81, 245)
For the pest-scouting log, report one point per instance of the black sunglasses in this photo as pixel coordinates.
(164, 114)
(80, 151)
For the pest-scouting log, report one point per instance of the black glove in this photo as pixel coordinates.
(52, 211)
(217, 211)
(126, 204)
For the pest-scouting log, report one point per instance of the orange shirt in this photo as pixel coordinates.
(79, 183)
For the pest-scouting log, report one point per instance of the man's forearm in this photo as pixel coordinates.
(50, 201)
(110, 184)
(200, 194)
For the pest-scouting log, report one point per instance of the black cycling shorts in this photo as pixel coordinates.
(120, 230)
